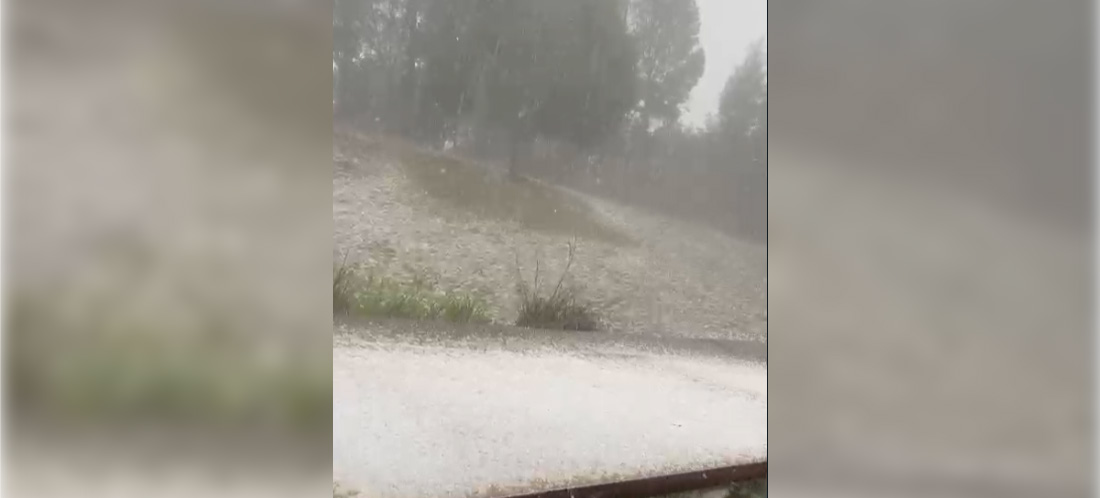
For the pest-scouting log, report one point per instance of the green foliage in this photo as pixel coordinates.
(375, 296)
(586, 62)
(742, 112)
(584, 78)
(372, 56)
(563, 69)
(560, 310)
(671, 60)
(384, 297)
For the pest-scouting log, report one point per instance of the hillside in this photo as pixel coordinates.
(407, 213)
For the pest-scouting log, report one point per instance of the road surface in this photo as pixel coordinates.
(423, 411)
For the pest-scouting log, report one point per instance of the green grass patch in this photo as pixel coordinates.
(362, 292)
(475, 189)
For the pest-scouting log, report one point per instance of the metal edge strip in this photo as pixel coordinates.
(660, 485)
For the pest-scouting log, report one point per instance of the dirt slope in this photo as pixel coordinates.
(666, 277)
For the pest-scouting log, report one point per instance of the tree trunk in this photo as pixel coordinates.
(411, 76)
(647, 149)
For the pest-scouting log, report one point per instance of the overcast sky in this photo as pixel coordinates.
(728, 27)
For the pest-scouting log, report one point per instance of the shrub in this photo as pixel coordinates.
(561, 310)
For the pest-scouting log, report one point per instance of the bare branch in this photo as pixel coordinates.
(568, 263)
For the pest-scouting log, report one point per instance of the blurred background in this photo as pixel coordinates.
(930, 236)
(166, 315)
(929, 226)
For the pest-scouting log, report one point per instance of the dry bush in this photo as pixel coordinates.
(561, 309)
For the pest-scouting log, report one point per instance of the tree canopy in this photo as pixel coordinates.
(670, 60)
(586, 80)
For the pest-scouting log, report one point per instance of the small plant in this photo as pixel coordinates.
(561, 310)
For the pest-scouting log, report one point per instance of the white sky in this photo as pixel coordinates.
(728, 27)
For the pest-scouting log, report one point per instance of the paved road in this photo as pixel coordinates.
(462, 413)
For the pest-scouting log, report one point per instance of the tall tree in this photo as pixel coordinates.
(742, 112)
(742, 141)
(562, 69)
(670, 60)
(447, 53)
(591, 81)
(370, 45)
(350, 22)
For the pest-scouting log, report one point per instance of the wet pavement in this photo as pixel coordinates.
(433, 410)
